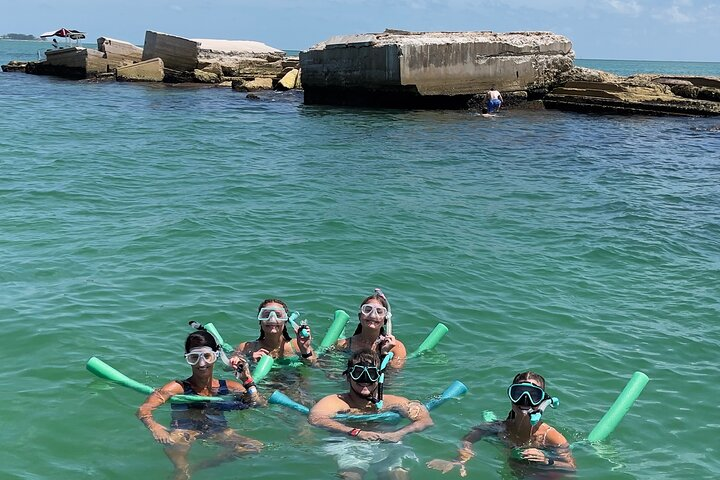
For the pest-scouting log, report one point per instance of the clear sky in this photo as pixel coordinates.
(684, 30)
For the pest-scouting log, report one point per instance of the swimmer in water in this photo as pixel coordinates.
(374, 331)
(537, 442)
(200, 420)
(360, 450)
(274, 338)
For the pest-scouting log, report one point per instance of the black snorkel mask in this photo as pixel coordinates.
(532, 396)
(368, 374)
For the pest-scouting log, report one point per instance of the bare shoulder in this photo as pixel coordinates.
(173, 387)
(329, 405)
(342, 344)
(399, 349)
(246, 347)
(553, 437)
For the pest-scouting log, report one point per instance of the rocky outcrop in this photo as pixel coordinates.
(585, 90)
(14, 66)
(436, 69)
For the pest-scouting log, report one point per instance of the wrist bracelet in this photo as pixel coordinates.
(308, 354)
(550, 461)
(354, 432)
(252, 390)
(248, 381)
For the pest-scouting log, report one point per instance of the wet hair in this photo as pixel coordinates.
(198, 339)
(383, 301)
(264, 303)
(363, 356)
(524, 377)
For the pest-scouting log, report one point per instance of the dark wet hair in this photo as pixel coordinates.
(200, 338)
(363, 356)
(523, 378)
(267, 301)
(381, 299)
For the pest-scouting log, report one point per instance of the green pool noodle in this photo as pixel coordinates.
(435, 336)
(262, 368)
(617, 411)
(213, 331)
(103, 370)
(335, 330)
(455, 390)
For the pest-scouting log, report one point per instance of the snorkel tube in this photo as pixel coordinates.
(381, 380)
(536, 414)
(388, 317)
(300, 329)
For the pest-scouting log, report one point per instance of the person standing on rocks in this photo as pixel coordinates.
(493, 99)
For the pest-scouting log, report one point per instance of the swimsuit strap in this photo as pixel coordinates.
(187, 388)
(223, 389)
(545, 435)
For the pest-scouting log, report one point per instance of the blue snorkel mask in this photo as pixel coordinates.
(530, 395)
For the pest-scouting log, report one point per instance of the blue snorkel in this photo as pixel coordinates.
(537, 413)
(381, 380)
(300, 329)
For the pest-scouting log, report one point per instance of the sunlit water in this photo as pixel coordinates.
(582, 247)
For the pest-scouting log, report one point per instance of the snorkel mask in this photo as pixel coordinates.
(368, 374)
(530, 395)
(220, 353)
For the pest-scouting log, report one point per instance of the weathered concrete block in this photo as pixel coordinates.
(151, 70)
(120, 48)
(418, 66)
(176, 52)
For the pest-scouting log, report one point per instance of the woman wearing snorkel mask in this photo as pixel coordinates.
(534, 441)
(357, 446)
(374, 331)
(274, 339)
(200, 420)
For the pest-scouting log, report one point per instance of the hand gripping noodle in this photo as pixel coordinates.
(455, 390)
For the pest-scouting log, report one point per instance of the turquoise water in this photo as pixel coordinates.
(582, 247)
(631, 67)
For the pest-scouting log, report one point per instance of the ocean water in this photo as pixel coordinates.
(583, 247)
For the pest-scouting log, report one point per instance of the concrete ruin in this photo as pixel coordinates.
(146, 71)
(430, 70)
(242, 59)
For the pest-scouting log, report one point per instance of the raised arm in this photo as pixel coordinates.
(153, 401)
